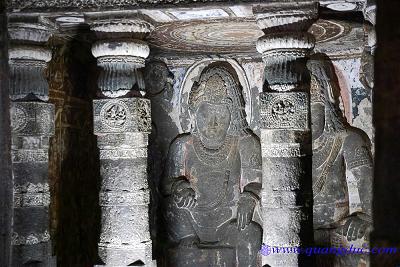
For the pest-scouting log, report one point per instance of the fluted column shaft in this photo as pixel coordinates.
(122, 125)
(285, 129)
(32, 123)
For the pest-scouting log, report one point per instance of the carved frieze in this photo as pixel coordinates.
(123, 153)
(32, 118)
(282, 150)
(124, 139)
(24, 155)
(284, 110)
(122, 115)
(31, 239)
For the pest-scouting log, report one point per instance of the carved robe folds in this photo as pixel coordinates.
(218, 180)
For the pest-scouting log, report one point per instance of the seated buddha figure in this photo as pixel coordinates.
(212, 180)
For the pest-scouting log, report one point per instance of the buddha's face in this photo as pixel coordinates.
(212, 122)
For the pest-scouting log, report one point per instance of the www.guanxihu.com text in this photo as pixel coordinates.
(339, 251)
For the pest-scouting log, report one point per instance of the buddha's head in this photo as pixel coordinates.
(216, 107)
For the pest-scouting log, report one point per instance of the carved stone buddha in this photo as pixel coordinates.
(212, 180)
(342, 172)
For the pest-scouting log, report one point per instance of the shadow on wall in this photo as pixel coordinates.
(74, 157)
(386, 113)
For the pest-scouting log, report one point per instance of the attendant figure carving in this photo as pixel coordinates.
(342, 171)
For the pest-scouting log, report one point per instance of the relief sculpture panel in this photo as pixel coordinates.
(342, 172)
(212, 180)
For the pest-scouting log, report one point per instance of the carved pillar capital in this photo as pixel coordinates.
(122, 126)
(285, 43)
(28, 57)
(120, 52)
(369, 11)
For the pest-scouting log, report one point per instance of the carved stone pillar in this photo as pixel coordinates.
(285, 131)
(32, 123)
(122, 126)
(6, 183)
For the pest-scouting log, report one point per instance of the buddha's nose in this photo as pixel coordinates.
(213, 122)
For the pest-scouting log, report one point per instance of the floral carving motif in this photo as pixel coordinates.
(18, 118)
(114, 115)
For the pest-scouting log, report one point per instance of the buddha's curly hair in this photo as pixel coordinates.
(217, 85)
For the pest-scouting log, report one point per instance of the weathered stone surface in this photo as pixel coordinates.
(122, 115)
(124, 195)
(212, 180)
(226, 24)
(32, 119)
(342, 170)
(284, 111)
(27, 62)
(122, 126)
(32, 125)
(31, 235)
(85, 4)
(6, 187)
(284, 127)
(124, 200)
(123, 255)
(120, 52)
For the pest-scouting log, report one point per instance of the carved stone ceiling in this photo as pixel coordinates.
(96, 5)
(232, 30)
(238, 35)
(223, 36)
(226, 29)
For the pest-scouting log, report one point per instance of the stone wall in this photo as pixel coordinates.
(5, 147)
(387, 124)
(74, 159)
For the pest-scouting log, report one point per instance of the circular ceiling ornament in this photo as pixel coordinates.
(328, 30)
(344, 6)
(208, 36)
(70, 20)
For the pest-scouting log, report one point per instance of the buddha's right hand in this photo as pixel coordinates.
(185, 198)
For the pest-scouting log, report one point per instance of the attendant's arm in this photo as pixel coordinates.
(359, 167)
(174, 176)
